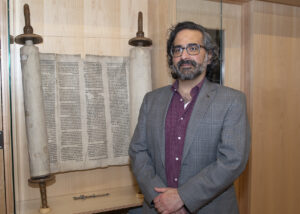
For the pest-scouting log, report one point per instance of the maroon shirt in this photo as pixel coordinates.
(175, 129)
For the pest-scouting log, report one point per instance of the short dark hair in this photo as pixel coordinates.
(208, 42)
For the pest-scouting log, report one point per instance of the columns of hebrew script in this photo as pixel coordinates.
(34, 111)
(140, 81)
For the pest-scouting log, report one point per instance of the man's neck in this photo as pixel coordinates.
(185, 86)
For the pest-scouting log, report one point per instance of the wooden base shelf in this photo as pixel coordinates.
(118, 198)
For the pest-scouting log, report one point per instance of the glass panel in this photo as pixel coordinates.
(209, 15)
(6, 168)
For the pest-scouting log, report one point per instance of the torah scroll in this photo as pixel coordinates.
(87, 106)
(34, 111)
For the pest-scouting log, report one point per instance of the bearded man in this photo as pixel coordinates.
(192, 138)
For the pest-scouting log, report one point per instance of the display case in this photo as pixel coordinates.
(99, 28)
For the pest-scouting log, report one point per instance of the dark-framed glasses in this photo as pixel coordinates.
(191, 49)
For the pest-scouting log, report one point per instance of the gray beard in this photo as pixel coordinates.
(186, 74)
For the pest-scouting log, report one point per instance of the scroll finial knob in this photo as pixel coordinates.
(140, 32)
(140, 40)
(27, 29)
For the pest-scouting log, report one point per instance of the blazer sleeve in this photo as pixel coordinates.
(232, 156)
(141, 161)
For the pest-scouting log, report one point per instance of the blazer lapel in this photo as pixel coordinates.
(165, 102)
(204, 99)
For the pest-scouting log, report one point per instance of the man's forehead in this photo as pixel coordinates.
(188, 36)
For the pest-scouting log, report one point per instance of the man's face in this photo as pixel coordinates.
(186, 66)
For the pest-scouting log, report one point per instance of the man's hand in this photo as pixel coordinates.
(182, 210)
(168, 201)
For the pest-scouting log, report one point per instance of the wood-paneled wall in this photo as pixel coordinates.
(162, 15)
(275, 92)
(261, 43)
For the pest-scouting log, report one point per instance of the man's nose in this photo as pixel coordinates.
(184, 54)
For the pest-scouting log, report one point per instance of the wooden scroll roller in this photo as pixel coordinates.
(140, 40)
(43, 191)
(39, 175)
(140, 65)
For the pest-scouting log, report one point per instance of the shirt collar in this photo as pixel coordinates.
(194, 90)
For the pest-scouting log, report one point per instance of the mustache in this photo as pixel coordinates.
(189, 62)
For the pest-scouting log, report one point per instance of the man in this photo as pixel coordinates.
(192, 138)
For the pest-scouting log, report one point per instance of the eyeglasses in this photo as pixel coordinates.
(191, 49)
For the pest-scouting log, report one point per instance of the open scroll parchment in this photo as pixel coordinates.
(87, 110)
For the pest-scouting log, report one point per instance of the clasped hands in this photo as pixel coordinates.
(168, 201)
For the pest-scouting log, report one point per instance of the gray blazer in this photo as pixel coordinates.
(215, 151)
